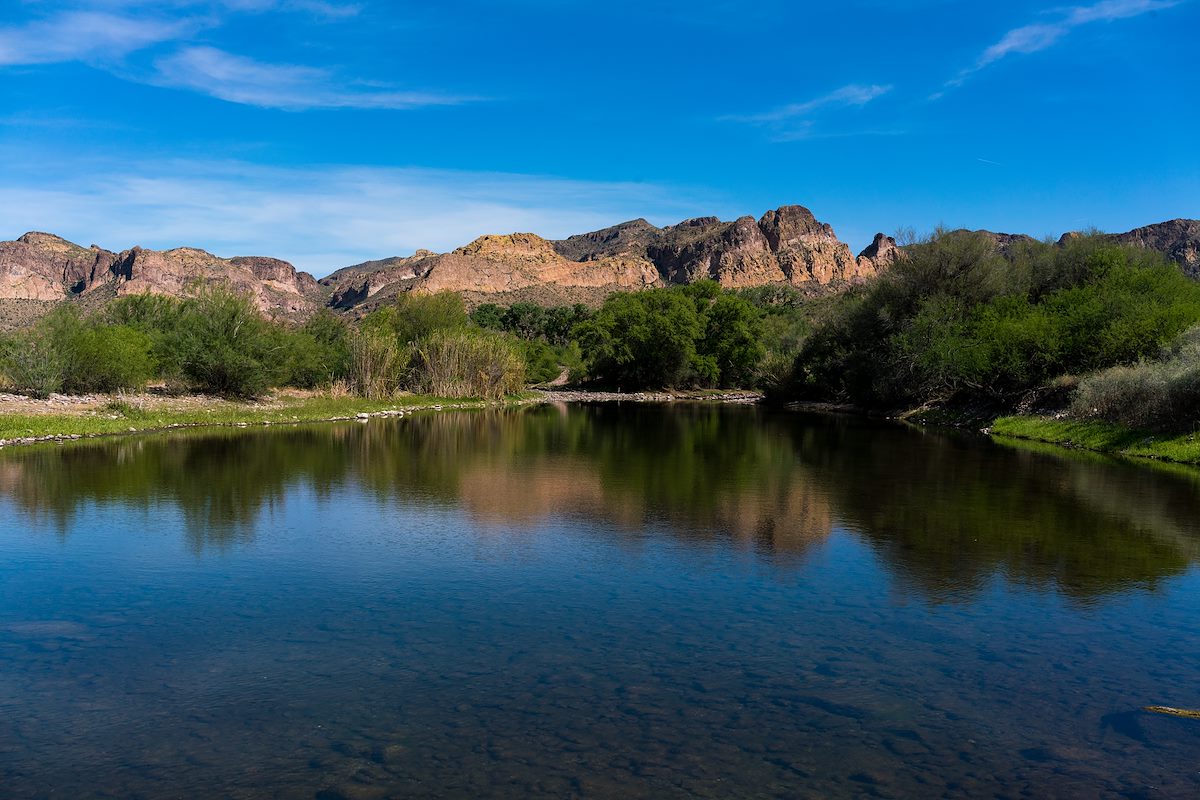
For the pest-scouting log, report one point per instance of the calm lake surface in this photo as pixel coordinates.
(605, 601)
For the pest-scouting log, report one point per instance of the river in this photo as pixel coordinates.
(595, 601)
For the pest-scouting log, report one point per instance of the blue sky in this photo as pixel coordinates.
(329, 132)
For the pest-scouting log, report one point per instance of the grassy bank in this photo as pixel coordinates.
(25, 420)
(119, 416)
(1102, 437)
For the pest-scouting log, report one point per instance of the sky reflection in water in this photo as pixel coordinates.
(594, 601)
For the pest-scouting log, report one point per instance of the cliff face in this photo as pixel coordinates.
(787, 246)
(1178, 239)
(520, 263)
(40, 266)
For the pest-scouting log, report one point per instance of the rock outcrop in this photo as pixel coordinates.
(41, 266)
(44, 267)
(1177, 239)
(523, 260)
(787, 246)
(880, 254)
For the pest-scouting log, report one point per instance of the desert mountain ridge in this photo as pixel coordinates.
(786, 246)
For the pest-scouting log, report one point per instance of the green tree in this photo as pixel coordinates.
(318, 353)
(960, 317)
(645, 339)
(414, 316)
(223, 346)
(733, 339)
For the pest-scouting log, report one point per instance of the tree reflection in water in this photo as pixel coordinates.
(945, 513)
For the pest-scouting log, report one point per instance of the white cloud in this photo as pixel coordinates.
(89, 36)
(319, 8)
(1042, 35)
(848, 96)
(797, 121)
(107, 31)
(238, 79)
(319, 218)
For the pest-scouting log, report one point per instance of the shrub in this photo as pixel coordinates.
(415, 316)
(107, 358)
(32, 362)
(466, 363)
(64, 352)
(1161, 394)
(145, 312)
(959, 318)
(376, 364)
(541, 361)
(222, 345)
(318, 354)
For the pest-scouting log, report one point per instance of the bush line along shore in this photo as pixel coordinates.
(1085, 342)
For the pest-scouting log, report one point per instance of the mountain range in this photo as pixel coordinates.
(785, 246)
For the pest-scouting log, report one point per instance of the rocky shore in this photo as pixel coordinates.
(60, 418)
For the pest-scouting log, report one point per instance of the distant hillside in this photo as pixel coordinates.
(787, 246)
(40, 268)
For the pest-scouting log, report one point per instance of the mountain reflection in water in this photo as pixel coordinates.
(944, 512)
(594, 601)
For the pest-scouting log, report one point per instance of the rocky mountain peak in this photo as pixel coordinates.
(514, 246)
(627, 237)
(696, 222)
(789, 224)
(882, 252)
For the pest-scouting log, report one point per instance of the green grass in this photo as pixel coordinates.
(1103, 437)
(122, 417)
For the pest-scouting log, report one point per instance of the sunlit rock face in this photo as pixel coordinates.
(41, 266)
(788, 246)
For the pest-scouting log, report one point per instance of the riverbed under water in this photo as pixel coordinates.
(595, 601)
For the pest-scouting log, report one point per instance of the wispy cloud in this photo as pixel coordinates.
(319, 218)
(796, 121)
(88, 36)
(852, 95)
(238, 79)
(106, 32)
(1039, 36)
(320, 8)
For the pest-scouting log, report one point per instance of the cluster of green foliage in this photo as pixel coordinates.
(426, 343)
(546, 334)
(958, 318)
(64, 352)
(693, 335)
(554, 324)
(1158, 394)
(788, 318)
(215, 342)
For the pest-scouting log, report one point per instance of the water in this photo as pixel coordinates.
(594, 602)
